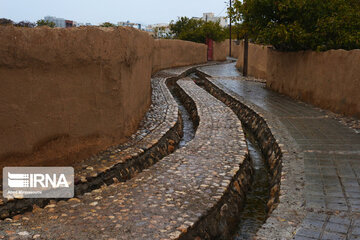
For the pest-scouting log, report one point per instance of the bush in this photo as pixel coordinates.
(25, 24)
(293, 25)
(107, 24)
(197, 30)
(42, 22)
(5, 21)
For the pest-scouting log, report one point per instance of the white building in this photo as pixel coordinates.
(59, 22)
(211, 17)
(129, 24)
(160, 30)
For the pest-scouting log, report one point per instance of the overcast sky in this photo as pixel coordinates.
(98, 11)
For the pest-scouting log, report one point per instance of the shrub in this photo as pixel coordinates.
(43, 22)
(107, 24)
(5, 21)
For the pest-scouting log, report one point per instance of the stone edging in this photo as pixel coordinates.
(220, 220)
(285, 204)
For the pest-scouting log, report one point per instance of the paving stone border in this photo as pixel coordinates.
(121, 163)
(283, 219)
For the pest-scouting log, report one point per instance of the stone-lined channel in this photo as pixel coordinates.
(187, 122)
(255, 211)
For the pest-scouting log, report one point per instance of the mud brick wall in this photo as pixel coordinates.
(79, 82)
(176, 53)
(330, 79)
(221, 50)
(257, 59)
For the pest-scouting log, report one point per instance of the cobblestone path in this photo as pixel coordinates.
(162, 202)
(330, 154)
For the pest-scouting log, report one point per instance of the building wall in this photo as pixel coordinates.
(59, 22)
(79, 82)
(211, 17)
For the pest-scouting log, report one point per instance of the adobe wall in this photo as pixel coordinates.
(170, 53)
(257, 59)
(330, 80)
(221, 50)
(78, 84)
(75, 82)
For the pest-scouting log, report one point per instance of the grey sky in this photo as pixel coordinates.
(95, 12)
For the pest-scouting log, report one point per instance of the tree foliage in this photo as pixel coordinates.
(107, 24)
(5, 21)
(197, 30)
(301, 24)
(43, 22)
(25, 24)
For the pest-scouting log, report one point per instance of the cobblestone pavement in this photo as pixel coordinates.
(158, 130)
(330, 152)
(159, 203)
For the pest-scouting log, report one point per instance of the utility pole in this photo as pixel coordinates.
(230, 31)
(246, 53)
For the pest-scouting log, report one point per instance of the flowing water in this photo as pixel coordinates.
(188, 125)
(255, 211)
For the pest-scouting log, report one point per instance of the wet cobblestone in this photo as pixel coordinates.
(166, 201)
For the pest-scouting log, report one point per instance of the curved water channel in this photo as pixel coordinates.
(255, 211)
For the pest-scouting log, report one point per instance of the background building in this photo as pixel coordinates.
(129, 24)
(63, 23)
(59, 22)
(211, 17)
(160, 30)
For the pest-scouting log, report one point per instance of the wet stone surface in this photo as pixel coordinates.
(329, 152)
(162, 202)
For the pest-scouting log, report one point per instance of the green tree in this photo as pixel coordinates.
(197, 30)
(5, 21)
(180, 25)
(293, 25)
(107, 24)
(43, 22)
